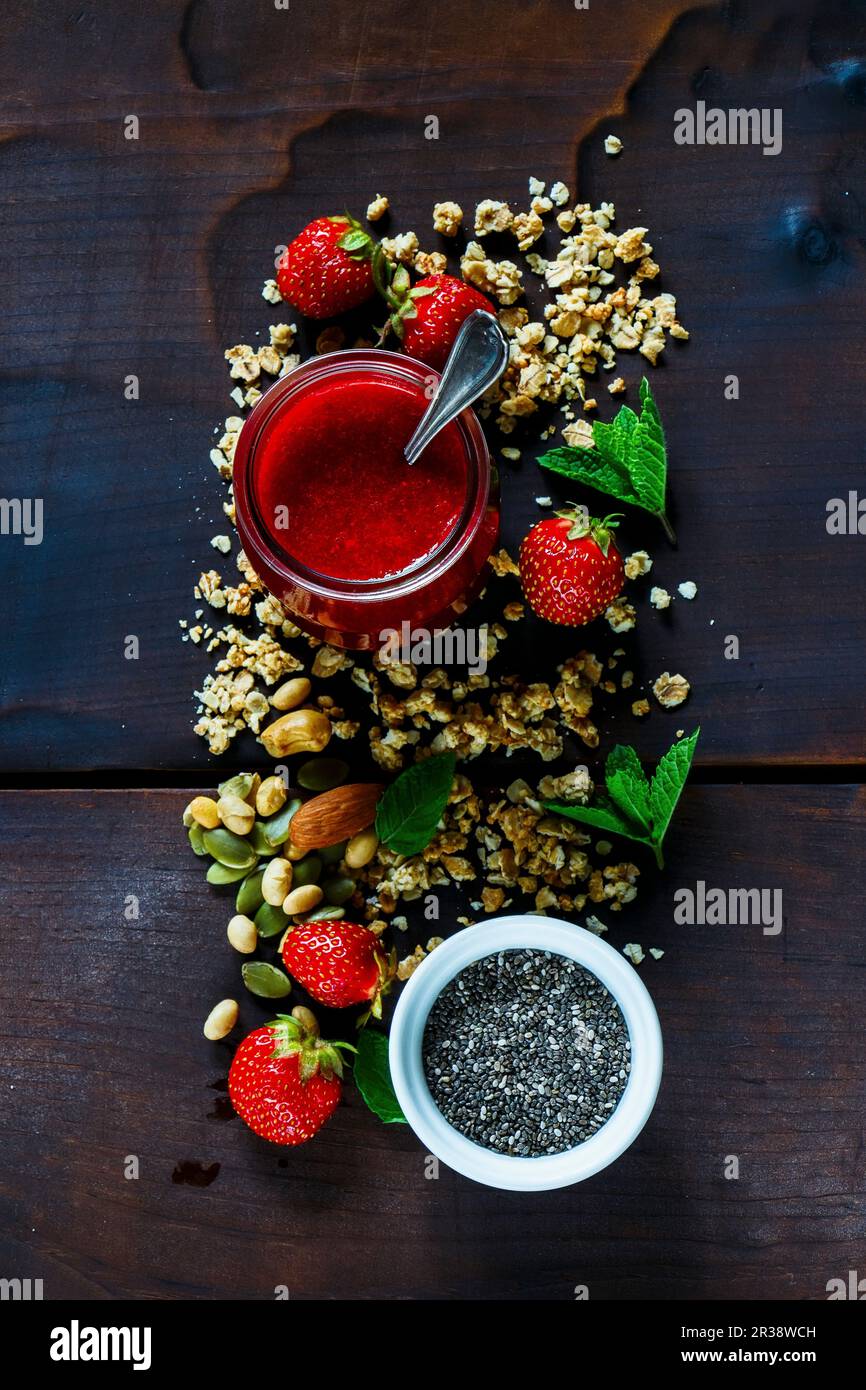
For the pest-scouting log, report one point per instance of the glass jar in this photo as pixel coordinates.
(353, 541)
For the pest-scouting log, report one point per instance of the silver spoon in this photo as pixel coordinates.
(477, 359)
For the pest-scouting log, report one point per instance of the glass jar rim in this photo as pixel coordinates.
(422, 571)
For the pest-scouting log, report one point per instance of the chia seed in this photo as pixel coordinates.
(526, 1053)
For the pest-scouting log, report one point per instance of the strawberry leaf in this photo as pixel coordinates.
(410, 810)
(629, 460)
(373, 1078)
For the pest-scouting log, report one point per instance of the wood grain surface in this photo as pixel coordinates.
(103, 1059)
(146, 257)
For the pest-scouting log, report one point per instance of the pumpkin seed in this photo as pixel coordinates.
(307, 871)
(257, 839)
(229, 849)
(243, 785)
(338, 890)
(326, 914)
(270, 921)
(220, 874)
(265, 980)
(332, 854)
(276, 828)
(322, 774)
(250, 896)
(196, 839)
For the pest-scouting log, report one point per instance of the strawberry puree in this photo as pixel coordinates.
(333, 489)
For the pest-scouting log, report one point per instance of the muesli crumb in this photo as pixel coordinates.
(377, 208)
(659, 597)
(612, 144)
(688, 589)
(671, 691)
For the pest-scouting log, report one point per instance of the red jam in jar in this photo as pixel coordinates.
(351, 539)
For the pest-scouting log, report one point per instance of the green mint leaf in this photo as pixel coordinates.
(265, 980)
(410, 810)
(667, 785)
(591, 468)
(629, 460)
(648, 456)
(373, 1078)
(602, 815)
(628, 786)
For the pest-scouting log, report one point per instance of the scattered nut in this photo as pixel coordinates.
(271, 796)
(205, 812)
(303, 899)
(236, 815)
(276, 881)
(361, 848)
(221, 1020)
(291, 693)
(301, 731)
(242, 934)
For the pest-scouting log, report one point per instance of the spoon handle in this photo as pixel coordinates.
(477, 359)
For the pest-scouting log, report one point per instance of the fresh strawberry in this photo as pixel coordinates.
(331, 266)
(428, 315)
(339, 963)
(284, 1081)
(570, 568)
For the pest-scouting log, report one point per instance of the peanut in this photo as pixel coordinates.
(276, 881)
(291, 693)
(221, 1020)
(307, 1019)
(303, 899)
(242, 934)
(204, 810)
(271, 796)
(236, 815)
(301, 731)
(361, 848)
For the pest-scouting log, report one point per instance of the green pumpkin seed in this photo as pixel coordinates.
(270, 921)
(306, 871)
(229, 849)
(322, 774)
(249, 898)
(276, 828)
(338, 890)
(196, 838)
(259, 842)
(241, 785)
(325, 914)
(265, 980)
(332, 854)
(221, 874)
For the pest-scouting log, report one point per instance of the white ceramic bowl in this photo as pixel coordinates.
(462, 1154)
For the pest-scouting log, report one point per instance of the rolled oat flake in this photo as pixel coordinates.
(526, 1053)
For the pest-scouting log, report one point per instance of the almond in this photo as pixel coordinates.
(335, 815)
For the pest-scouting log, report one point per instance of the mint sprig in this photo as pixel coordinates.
(633, 806)
(410, 809)
(629, 460)
(373, 1078)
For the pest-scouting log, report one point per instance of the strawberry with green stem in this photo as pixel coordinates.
(331, 266)
(339, 963)
(570, 568)
(427, 317)
(285, 1081)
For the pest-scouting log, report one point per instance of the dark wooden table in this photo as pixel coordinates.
(146, 257)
